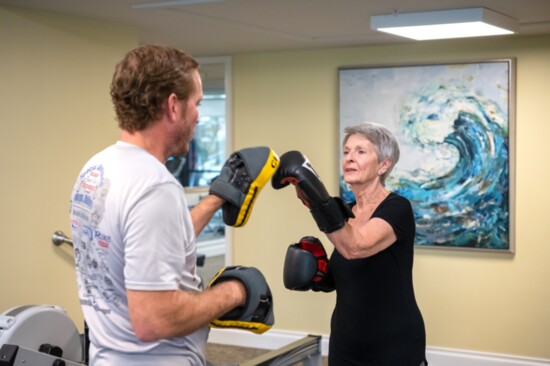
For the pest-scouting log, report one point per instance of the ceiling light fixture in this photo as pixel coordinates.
(457, 23)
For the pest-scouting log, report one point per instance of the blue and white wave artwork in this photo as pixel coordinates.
(457, 176)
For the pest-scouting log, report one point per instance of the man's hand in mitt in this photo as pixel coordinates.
(241, 179)
(256, 315)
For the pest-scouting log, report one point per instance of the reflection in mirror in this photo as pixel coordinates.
(206, 156)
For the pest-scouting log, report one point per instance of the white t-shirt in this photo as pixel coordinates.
(131, 229)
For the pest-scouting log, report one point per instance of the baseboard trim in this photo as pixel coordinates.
(437, 356)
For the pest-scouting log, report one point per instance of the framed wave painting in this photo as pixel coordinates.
(454, 125)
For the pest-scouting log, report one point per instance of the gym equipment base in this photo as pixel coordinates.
(43, 335)
(306, 351)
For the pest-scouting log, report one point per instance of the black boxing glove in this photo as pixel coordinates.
(330, 213)
(306, 266)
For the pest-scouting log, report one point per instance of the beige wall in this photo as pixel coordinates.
(477, 301)
(55, 112)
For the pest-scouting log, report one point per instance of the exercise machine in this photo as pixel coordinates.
(39, 335)
(43, 335)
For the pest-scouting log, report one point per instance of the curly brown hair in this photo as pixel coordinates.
(144, 79)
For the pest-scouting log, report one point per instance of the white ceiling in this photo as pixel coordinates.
(226, 27)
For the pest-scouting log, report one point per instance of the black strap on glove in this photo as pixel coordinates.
(256, 315)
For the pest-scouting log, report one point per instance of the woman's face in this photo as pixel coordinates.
(359, 161)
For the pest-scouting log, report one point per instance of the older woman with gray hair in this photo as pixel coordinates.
(376, 320)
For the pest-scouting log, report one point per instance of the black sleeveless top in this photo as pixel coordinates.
(376, 320)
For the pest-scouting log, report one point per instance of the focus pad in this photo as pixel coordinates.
(243, 176)
(256, 315)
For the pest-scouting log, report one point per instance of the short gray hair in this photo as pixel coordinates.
(385, 144)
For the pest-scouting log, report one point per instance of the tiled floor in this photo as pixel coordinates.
(223, 355)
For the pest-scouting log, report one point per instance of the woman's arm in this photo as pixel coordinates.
(361, 238)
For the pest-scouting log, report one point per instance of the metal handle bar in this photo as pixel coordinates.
(59, 238)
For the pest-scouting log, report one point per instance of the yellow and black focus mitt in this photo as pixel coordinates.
(256, 315)
(241, 179)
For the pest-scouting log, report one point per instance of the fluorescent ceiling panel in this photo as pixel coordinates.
(457, 23)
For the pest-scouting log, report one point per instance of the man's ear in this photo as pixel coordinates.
(172, 105)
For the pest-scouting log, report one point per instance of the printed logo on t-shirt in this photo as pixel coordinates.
(91, 245)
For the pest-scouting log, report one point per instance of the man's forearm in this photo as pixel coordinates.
(202, 213)
(159, 315)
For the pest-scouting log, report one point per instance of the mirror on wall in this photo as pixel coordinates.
(207, 153)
